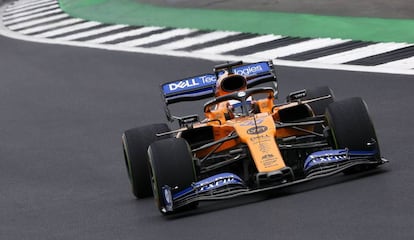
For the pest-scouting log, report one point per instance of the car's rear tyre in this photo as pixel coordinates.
(320, 106)
(171, 165)
(135, 144)
(351, 126)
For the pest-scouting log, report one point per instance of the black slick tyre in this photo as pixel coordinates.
(351, 126)
(171, 165)
(320, 106)
(135, 144)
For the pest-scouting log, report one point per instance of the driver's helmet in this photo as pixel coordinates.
(236, 107)
(230, 83)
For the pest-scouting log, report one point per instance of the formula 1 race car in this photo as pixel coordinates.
(246, 143)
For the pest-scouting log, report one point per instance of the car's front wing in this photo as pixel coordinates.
(228, 185)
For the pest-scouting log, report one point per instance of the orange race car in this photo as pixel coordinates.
(246, 143)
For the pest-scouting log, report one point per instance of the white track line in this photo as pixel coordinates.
(91, 33)
(31, 16)
(68, 29)
(27, 13)
(51, 26)
(130, 33)
(298, 47)
(204, 38)
(157, 37)
(359, 53)
(212, 57)
(38, 21)
(407, 63)
(22, 4)
(25, 8)
(385, 68)
(226, 47)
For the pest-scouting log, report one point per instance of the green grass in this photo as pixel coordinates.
(301, 25)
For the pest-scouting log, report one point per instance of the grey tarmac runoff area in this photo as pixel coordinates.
(64, 108)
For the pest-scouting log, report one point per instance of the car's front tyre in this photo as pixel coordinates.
(172, 166)
(135, 144)
(351, 127)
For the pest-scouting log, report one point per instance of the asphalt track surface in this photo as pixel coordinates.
(63, 177)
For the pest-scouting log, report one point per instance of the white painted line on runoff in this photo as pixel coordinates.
(53, 26)
(360, 53)
(406, 63)
(16, 5)
(27, 13)
(216, 57)
(91, 33)
(157, 37)
(50, 26)
(344, 67)
(23, 7)
(38, 21)
(22, 3)
(204, 38)
(130, 33)
(67, 29)
(226, 47)
(32, 16)
(207, 56)
(298, 47)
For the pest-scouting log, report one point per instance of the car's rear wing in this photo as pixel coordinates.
(202, 86)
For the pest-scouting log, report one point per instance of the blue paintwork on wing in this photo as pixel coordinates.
(185, 85)
(326, 157)
(362, 153)
(208, 81)
(211, 183)
(252, 69)
(335, 156)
